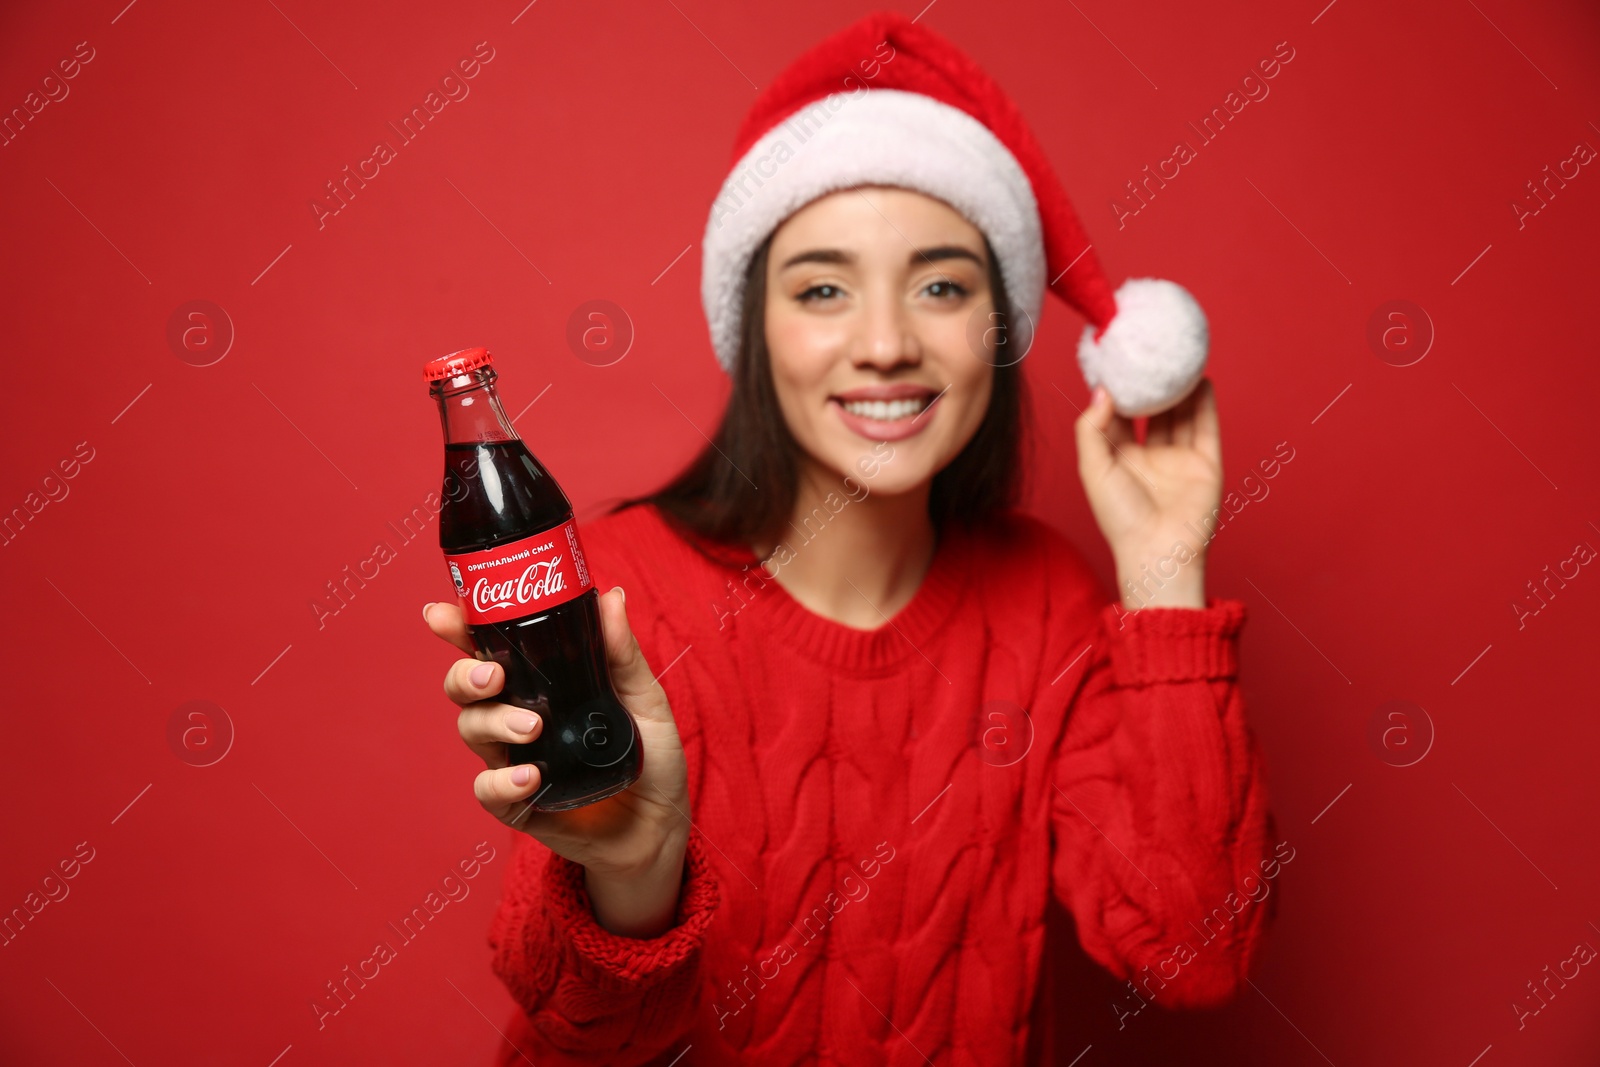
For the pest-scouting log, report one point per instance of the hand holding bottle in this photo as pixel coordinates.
(634, 833)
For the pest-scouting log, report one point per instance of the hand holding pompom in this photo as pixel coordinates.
(1154, 502)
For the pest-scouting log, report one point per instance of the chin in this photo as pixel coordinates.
(884, 488)
(888, 476)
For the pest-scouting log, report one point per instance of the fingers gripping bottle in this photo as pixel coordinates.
(513, 552)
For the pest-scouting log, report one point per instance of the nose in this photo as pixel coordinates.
(886, 337)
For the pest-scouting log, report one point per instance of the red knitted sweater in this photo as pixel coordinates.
(880, 815)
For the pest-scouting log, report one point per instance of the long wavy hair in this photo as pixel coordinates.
(742, 486)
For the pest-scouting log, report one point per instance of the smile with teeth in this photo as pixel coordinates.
(887, 410)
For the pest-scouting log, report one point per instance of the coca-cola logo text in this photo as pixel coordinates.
(541, 579)
(527, 575)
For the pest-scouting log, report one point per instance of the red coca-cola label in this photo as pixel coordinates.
(526, 576)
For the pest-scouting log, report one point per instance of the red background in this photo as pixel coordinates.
(1382, 565)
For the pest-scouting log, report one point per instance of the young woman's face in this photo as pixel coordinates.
(877, 299)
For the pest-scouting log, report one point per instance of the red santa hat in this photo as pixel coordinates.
(886, 101)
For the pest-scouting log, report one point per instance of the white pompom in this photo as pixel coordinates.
(1154, 350)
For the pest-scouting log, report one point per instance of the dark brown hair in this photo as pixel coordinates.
(741, 488)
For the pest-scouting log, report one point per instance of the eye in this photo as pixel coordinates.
(950, 290)
(815, 292)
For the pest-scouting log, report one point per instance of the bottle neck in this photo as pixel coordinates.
(469, 409)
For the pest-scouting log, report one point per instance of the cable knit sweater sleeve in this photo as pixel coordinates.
(591, 995)
(1160, 818)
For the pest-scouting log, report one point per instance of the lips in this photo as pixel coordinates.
(887, 412)
(902, 391)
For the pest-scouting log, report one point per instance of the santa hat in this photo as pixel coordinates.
(886, 101)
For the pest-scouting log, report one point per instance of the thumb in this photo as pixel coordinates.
(1095, 453)
(631, 676)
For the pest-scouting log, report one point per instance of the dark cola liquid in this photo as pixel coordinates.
(554, 660)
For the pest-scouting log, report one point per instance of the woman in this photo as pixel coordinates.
(894, 713)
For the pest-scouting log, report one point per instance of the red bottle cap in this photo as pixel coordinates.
(456, 364)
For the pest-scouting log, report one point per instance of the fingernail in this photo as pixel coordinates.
(520, 774)
(622, 594)
(426, 606)
(522, 722)
(481, 674)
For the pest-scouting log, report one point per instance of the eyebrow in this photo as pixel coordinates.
(917, 256)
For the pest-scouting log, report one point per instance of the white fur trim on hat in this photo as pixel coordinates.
(872, 137)
(1153, 351)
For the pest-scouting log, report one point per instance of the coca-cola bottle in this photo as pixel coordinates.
(512, 548)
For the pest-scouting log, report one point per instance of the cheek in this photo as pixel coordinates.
(798, 338)
(802, 355)
(971, 379)
(979, 389)
(790, 403)
(799, 397)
